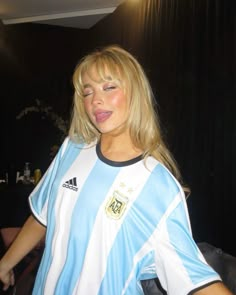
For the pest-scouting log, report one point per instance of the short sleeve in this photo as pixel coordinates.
(38, 199)
(180, 265)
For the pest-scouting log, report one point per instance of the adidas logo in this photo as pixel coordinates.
(71, 184)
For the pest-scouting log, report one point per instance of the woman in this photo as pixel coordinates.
(110, 204)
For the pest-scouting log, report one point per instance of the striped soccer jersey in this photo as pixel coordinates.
(112, 224)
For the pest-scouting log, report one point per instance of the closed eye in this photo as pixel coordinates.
(87, 94)
(110, 88)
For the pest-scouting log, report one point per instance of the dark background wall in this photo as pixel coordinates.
(36, 62)
(188, 51)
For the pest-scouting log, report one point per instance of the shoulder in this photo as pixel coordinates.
(163, 180)
(161, 172)
(74, 143)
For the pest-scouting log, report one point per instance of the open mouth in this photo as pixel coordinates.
(102, 116)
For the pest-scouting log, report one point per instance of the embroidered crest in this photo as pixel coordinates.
(116, 205)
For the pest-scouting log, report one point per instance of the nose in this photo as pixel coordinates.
(97, 97)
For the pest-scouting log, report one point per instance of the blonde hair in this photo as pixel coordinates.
(143, 121)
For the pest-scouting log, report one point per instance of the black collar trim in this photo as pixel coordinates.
(114, 163)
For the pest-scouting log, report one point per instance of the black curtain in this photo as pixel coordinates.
(187, 48)
(36, 63)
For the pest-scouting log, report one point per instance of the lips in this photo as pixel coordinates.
(102, 116)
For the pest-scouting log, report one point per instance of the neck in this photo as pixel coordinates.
(118, 148)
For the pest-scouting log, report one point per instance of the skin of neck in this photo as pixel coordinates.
(118, 147)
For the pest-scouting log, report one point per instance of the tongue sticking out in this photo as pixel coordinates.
(103, 116)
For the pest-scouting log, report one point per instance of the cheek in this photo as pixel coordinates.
(88, 110)
(119, 101)
(87, 106)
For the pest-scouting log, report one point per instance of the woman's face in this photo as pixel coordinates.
(105, 103)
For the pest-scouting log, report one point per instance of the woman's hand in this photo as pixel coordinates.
(7, 278)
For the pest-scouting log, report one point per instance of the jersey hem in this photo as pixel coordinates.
(35, 214)
(203, 286)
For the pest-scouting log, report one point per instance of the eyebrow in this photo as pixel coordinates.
(87, 86)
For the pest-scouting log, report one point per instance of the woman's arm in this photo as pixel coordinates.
(214, 289)
(29, 236)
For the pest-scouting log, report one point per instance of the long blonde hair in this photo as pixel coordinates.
(143, 121)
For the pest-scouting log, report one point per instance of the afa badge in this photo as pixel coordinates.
(116, 205)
